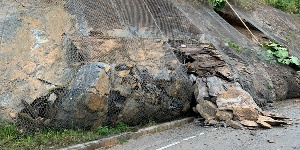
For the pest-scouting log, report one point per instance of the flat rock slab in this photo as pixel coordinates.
(235, 97)
(249, 123)
(245, 113)
(274, 115)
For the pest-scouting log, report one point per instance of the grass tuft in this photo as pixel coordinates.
(10, 138)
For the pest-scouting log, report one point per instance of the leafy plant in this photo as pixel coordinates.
(103, 130)
(290, 6)
(281, 53)
(217, 4)
(121, 127)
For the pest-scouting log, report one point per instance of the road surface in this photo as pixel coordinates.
(192, 137)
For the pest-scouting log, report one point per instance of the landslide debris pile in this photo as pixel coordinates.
(236, 108)
(219, 98)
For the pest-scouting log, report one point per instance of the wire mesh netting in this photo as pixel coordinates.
(87, 63)
(115, 62)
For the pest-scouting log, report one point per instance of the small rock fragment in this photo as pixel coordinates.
(264, 118)
(107, 68)
(252, 128)
(39, 119)
(52, 98)
(264, 124)
(212, 122)
(234, 124)
(275, 122)
(252, 133)
(225, 71)
(249, 123)
(12, 115)
(271, 141)
(183, 46)
(274, 115)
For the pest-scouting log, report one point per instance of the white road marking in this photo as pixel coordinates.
(175, 143)
(170, 145)
(189, 138)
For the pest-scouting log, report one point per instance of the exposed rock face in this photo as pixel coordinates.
(31, 57)
(104, 94)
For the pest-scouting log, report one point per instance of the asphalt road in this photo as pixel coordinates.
(192, 137)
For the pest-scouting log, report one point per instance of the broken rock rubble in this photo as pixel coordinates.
(237, 108)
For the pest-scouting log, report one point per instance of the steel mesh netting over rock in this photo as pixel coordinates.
(79, 63)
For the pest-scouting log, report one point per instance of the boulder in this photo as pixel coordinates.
(215, 86)
(245, 113)
(85, 103)
(97, 97)
(235, 98)
(201, 90)
(240, 103)
(207, 110)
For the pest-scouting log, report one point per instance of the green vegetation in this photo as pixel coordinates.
(234, 46)
(281, 53)
(217, 4)
(119, 128)
(273, 49)
(10, 138)
(290, 6)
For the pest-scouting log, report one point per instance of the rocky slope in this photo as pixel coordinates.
(89, 63)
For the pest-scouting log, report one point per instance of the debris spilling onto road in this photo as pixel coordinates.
(236, 108)
(220, 99)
